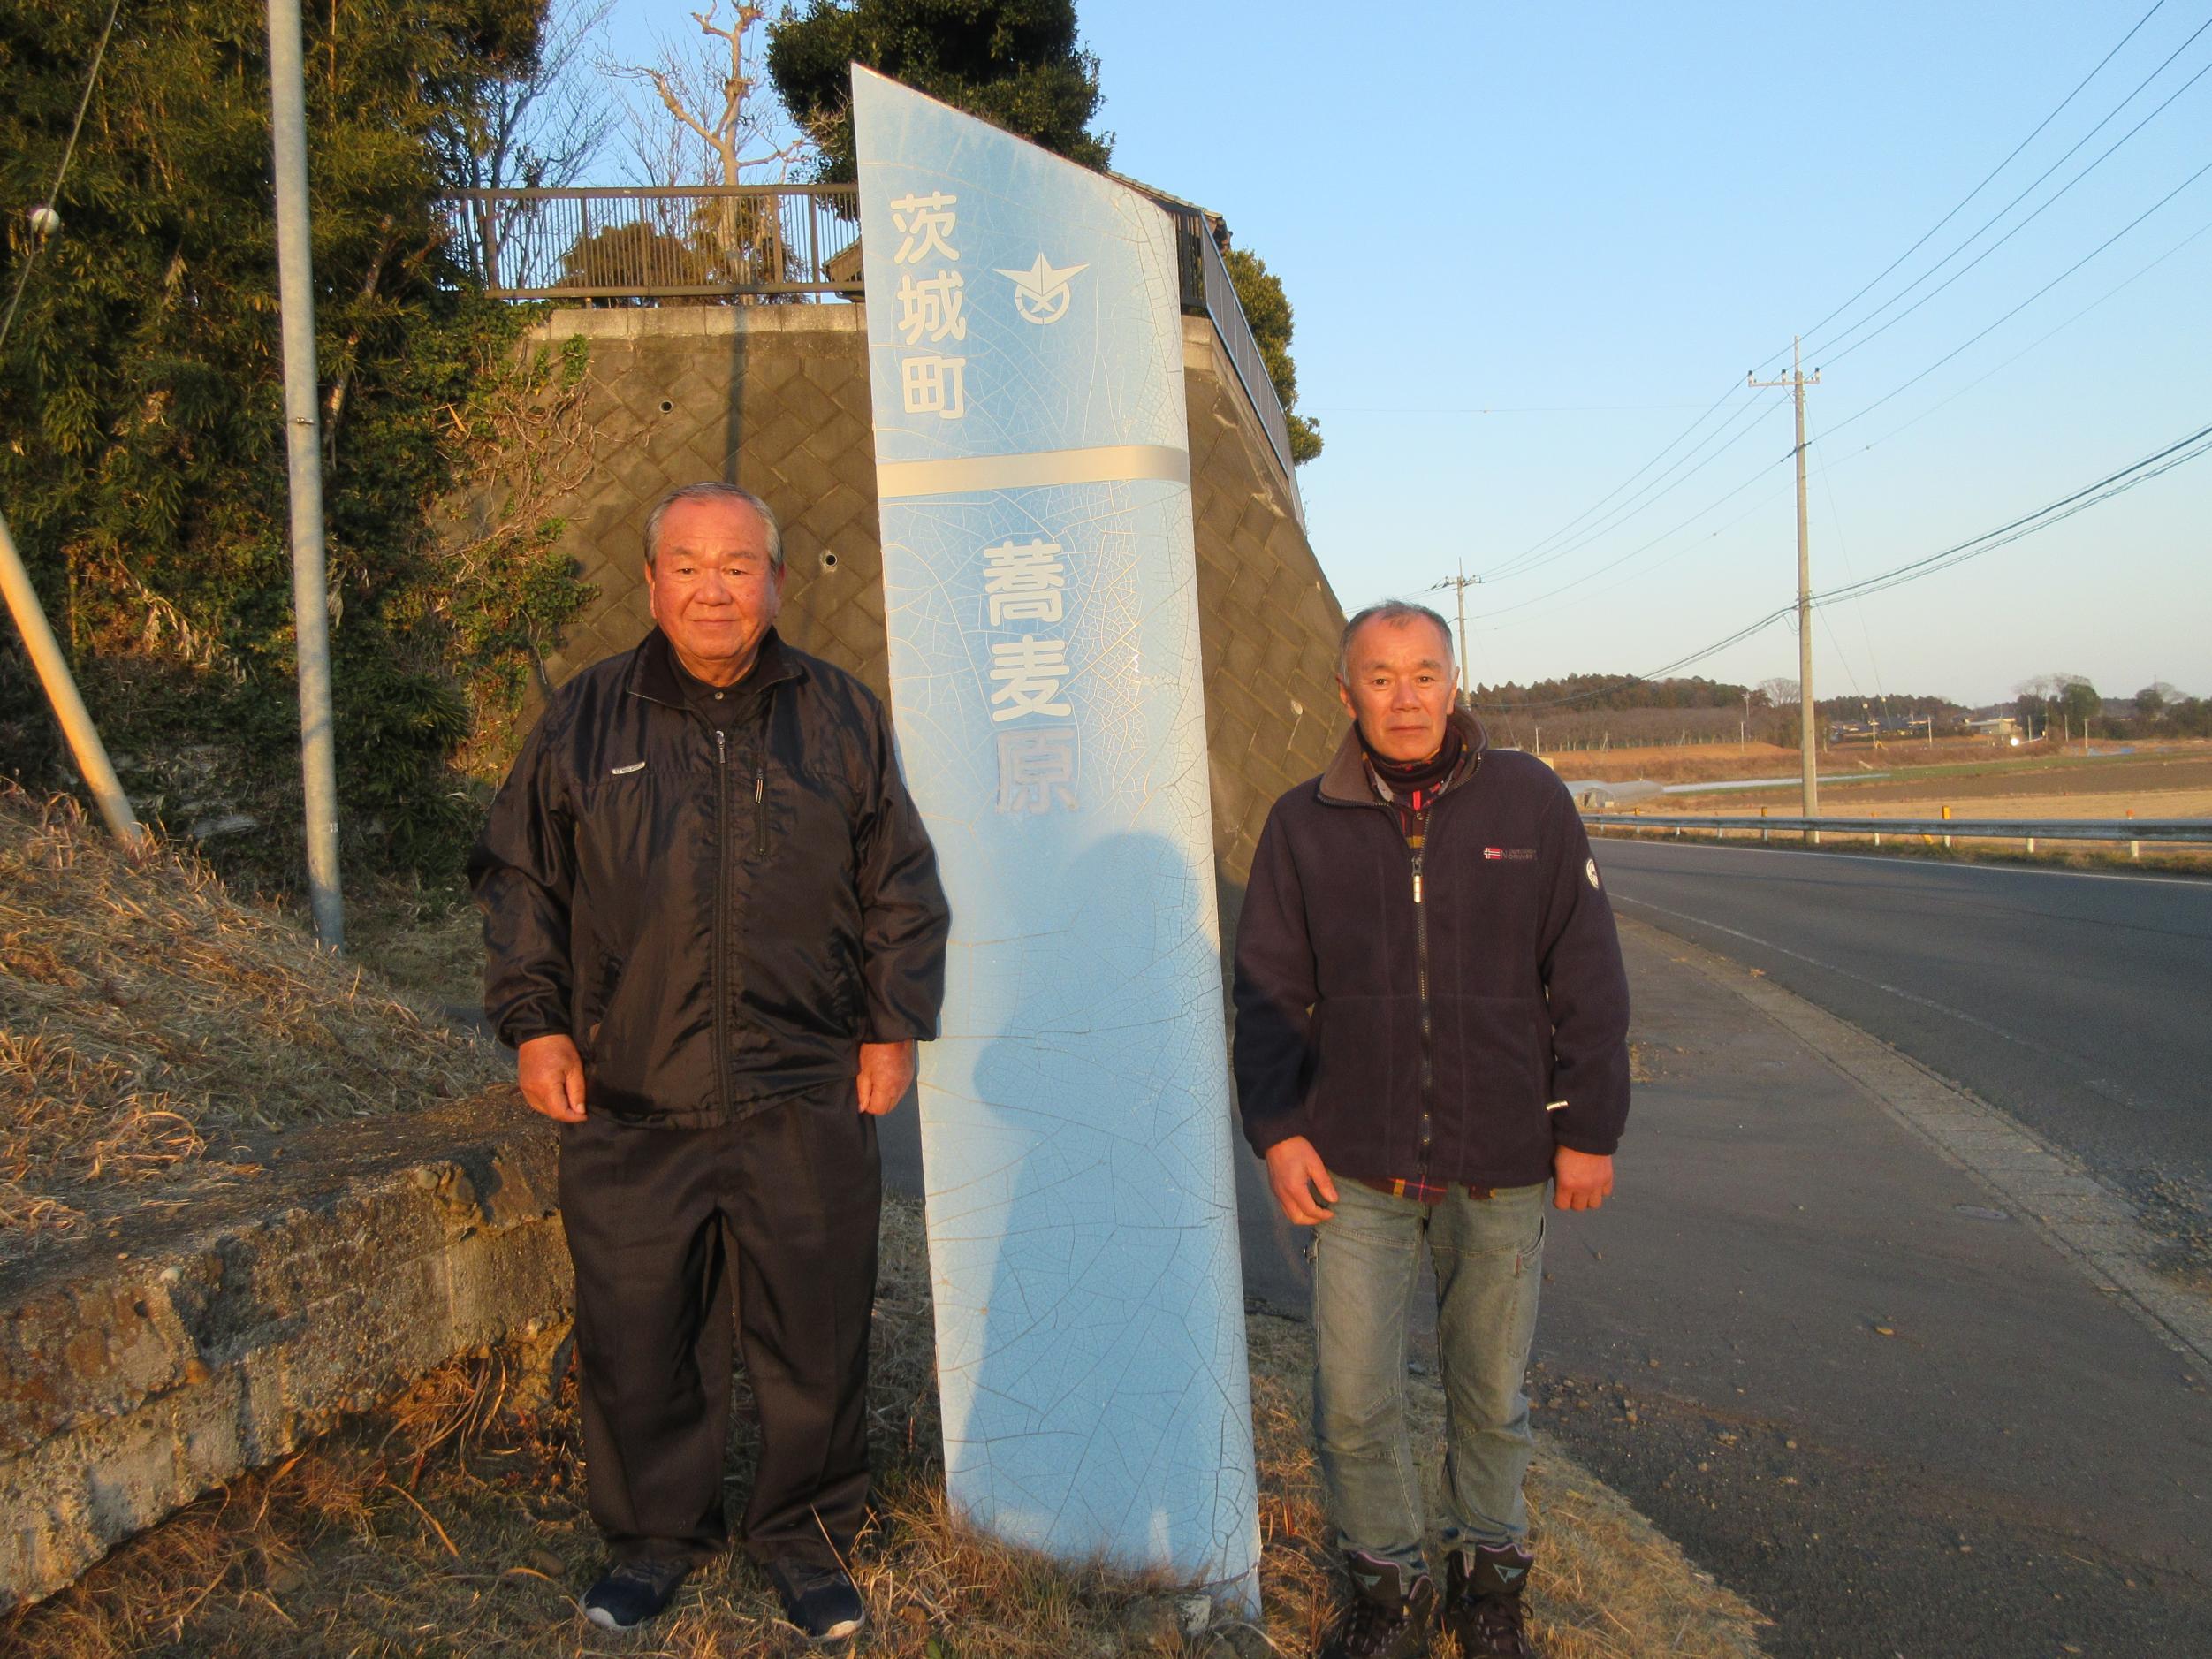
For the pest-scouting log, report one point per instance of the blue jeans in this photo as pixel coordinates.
(1489, 1257)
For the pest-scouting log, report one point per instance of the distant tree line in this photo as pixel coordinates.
(1614, 691)
(2069, 706)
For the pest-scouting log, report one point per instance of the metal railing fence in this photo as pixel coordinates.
(2167, 831)
(712, 241)
(770, 241)
(1208, 290)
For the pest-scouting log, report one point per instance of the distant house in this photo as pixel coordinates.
(1996, 725)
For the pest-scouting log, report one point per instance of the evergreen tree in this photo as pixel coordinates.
(1015, 64)
(142, 434)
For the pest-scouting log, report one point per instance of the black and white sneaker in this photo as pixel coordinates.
(633, 1591)
(821, 1601)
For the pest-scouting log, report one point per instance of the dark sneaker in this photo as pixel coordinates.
(632, 1591)
(1482, 1601)
(820, 1600)
(1387, 1617)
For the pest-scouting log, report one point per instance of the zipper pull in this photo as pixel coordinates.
(721, 747)
(760, 812)
(1417, 878)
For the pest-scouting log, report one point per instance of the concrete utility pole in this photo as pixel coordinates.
(1807, 705)
(61, 690)
(303, 449)
(1460, 584)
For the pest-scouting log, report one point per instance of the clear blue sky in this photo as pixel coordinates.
(1590, 221)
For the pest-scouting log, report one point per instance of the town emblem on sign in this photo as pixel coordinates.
(1041, 293)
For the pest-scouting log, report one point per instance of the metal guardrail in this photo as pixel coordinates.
(717, 241)
(2182, 831)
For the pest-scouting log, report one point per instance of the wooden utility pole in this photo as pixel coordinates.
(1460, 584)
(1797, 380)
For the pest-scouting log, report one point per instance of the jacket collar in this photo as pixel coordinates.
(1345, 782)
(654, 675)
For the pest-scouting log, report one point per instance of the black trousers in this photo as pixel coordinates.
(667, 1227)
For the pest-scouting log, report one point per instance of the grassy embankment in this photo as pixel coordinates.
(147, 1017)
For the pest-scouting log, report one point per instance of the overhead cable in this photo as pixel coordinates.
(1827, 350)
(92, 79)
(1959, 207)
(2196, 445)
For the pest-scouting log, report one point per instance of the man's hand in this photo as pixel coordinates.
(551, 1074)
(1296, 1172)
(886, 1071)
(1580, 1180)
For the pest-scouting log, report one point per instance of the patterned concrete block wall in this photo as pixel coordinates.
(775, 398)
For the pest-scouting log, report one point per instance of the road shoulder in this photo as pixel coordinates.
(2094, 1230)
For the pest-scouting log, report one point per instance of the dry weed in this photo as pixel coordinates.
(148, 1015)
(452, 1523)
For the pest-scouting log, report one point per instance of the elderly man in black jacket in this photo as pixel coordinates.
(1431, 1023)
(715, 933)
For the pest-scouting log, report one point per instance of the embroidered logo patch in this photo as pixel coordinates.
(1590, 869)
(1517, 854)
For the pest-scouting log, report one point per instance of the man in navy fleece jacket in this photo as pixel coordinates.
(1431, 1025)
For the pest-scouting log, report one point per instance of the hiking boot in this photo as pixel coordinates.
(1482, 1601)
(632, 1591)
(820, 1600)
(1387, 1617)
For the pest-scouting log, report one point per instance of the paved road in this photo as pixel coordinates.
(2080, 1004)
(1818, 1356)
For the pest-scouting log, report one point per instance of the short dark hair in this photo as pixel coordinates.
(712, 490)
(1388, 611)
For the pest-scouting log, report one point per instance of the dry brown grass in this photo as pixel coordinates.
(453, 1523)
(151, 1024)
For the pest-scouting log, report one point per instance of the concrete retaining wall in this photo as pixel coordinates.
(129, 1387)
(775, 398)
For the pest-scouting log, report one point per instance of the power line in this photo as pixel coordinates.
(1546, 550)
(1652, 494)
(2196, 445)
(1988, 179)
(2024, 304)
(38, 246)
(1513, 566)
(2110, 293)
(1663, 536)
(1831, 354)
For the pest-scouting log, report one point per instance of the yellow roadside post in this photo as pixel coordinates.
(1947, 813)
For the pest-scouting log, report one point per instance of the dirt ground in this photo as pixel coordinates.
(1967, 768)
(2175, 784)
(452, 1523)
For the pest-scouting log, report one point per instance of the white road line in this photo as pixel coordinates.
(2200, 883)
(1899, 992)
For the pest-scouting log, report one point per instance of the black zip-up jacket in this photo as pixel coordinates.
(718, 920)
(1456, 1030)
